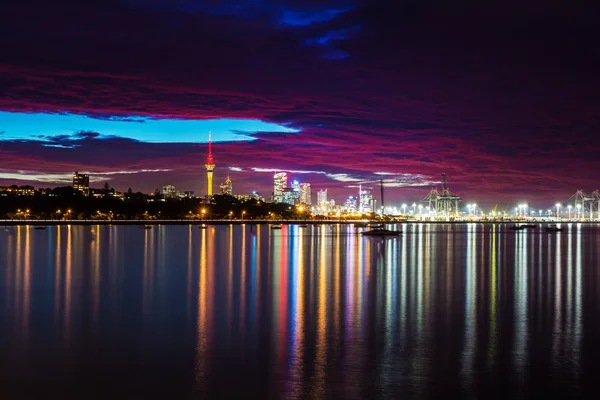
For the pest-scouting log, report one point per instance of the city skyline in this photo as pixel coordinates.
(342, 94)
(437, 204)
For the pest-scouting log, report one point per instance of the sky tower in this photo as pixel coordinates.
(210, 165)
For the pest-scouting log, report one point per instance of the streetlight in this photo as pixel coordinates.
(203, 212)
(414, 208)
(243, 212)
(404, 208)
(578, 211)
(569, 208)
(557, 210)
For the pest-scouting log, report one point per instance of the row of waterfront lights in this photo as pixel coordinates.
(521, 210)
(569, 208)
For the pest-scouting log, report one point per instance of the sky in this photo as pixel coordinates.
(502, 96)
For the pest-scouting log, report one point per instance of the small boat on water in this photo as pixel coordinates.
(528, 225)
(361, 225)
(380, 231)
(303, 226)
(553, 228)
(517, 227)
(145, 227)
(278, 226)
(39, 227)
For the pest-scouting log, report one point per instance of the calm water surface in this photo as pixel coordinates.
(463, 311)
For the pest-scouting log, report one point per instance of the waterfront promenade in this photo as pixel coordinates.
(50, 222)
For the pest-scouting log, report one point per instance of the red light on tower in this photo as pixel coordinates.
(210, 166)
(209, 159)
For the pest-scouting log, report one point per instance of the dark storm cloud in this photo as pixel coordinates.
(498, 95)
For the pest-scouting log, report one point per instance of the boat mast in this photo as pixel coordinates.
(382, 203)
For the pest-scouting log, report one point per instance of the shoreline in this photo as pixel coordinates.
(256, 222)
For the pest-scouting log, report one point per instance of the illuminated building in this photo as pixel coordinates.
(350, 204)
(227, 187)
(305, 194)
(322, 198)
(81, 182)
(17, 190)
(257, 196)
(279, 183)
(169, 191)
(246, 197)
(210, 165)
(290, 196)
(367, 204)
(295, 185)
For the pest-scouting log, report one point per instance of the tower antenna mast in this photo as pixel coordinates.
(210, 166)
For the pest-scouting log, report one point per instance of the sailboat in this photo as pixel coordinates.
(380, 230)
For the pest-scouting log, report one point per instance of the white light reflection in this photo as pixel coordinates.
(470, 341)
(577, 329)
(521, 315)
(557, 330)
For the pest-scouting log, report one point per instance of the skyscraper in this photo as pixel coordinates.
(305, 194)
(227, 187)
(322, 198)
(279, 183)
(366, 202)
(210, 165)
(295, 185)
(81, 182)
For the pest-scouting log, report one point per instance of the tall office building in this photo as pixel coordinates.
(305, 194)
(322, 198)
(279, 183)
(81, 182)
(366, 202)
(227, 187)
(295, 185)
(210, 165)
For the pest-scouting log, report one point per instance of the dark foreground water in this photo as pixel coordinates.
(444, 311)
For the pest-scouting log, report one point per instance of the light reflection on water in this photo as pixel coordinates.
(455, 310)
